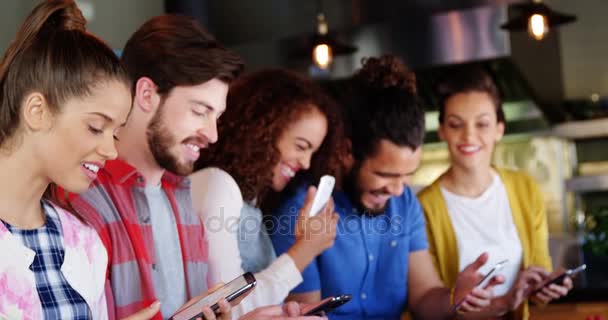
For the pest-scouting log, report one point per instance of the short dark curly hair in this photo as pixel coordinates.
(380, 102)
(260, 106)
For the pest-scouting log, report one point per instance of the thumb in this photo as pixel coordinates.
(496, 280)
(145, 314)
(479, 262)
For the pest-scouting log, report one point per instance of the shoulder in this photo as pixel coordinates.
(79, 234)
(518, 181)
(407, 203)
(430, 193)
(213, 180)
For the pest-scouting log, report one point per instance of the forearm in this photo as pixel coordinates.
(301, 254)
(435, 304)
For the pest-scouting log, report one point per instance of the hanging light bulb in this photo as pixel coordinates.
(538, 26)
(537, 18)
(322, 54)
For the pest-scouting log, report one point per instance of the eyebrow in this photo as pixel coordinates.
(202, 103)
(395, 175)
(305, 141)
(107, 118)
(457, 117)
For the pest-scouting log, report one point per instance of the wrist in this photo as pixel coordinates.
(301, 254)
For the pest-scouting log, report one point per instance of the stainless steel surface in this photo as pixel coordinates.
(587, 183)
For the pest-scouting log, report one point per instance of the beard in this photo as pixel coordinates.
(352, 188)
(160, 141)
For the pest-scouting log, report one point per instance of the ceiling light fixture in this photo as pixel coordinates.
(322, 46)
(536, 18)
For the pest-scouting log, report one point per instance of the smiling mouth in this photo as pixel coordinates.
(91, 167)
(469, 149)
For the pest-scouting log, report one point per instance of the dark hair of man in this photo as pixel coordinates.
(381, 104)
(468, 79)
(175, 50)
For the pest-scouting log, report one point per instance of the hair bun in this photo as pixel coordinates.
(65, 15)
(387, 71)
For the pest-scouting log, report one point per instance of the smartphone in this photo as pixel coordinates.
(235, 289)
(324, 190)
(326, 305)
(485, 280)
(559, 279)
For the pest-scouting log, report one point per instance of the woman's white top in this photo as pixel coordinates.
(485, 224)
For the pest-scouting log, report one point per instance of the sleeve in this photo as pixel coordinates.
(540, 230)
(218, 201)
(282, 231)
(88, 212)
(415, 222)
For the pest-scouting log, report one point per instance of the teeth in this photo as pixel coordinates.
(192, 147)
(470, 148)
(287, 172)
(91, 167)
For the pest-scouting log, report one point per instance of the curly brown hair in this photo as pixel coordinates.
(260, 106)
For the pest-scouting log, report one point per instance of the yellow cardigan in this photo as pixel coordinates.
(529, 216)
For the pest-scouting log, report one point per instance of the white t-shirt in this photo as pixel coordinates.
(485, 224)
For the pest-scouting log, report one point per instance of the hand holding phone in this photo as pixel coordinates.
(484, 281)
(559, 279)
(233, 292)
(326, 305)
(324, 190)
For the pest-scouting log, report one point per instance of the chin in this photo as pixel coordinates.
(373, 209)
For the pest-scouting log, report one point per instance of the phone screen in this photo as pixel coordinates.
(326, 305)
(231, 291)
(559, 279)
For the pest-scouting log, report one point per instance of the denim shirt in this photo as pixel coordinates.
(255, 247)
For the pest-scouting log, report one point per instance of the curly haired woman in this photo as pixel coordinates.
(277, 126)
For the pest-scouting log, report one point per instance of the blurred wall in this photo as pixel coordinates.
(112, 20)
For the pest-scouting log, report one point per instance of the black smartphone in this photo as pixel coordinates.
(560, 278)
(326, 305)
(237, 288)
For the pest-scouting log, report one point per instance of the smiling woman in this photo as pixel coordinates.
(63, 94)
(277, 126)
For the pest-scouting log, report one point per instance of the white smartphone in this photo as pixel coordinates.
(233, 291)
(324, 190)
(497, 267)
(484, 281)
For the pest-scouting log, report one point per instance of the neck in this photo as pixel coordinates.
(133, 148)
(468, 183)
(21, 188)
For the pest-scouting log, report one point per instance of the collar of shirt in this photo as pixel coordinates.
(121, 172)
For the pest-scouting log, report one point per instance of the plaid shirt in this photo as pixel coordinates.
(117, 208)
(59, 300)
(83, 267)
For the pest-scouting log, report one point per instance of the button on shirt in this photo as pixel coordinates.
(168, 271)
(369, 259)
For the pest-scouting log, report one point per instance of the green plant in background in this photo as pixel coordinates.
(596, 225)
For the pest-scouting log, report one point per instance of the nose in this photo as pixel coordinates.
(305, 160)
(396, 187)
(470, 130)
(209, 130)
(107, 148)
